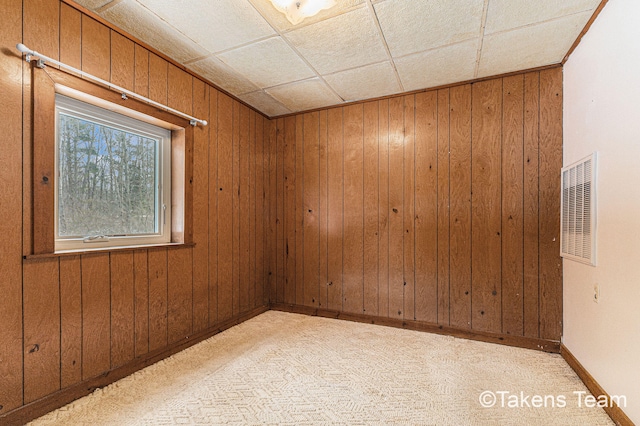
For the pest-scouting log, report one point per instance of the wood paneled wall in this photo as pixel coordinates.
(68, 319)
(440, 207)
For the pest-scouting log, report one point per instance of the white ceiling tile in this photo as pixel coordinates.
(509, 14)
(530, 47)
(366, 82)
(282, 24)
(346, 41)
(93, 4)
(235, 22)
(304, 95)
(268, 63)
(221, 75)
(436, 67)
(265, 103)
(137, 20)
(411, 26)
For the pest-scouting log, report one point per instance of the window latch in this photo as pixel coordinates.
(96, 239)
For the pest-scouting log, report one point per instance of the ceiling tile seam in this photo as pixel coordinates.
(546, 21)
(249, 43)
(329, 74)
(169, 25)
(483, 24)
(266, 94)
(374, 16)
(108, 6)
(431, 49)
(286, 40)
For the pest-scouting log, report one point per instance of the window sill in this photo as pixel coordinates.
(67, 253)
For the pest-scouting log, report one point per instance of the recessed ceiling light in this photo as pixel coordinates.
(297, 10)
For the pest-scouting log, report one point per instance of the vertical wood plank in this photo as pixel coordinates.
(531, 205)
(370, 211)
(41, 299)
(122, 61)
(157, 298)
(335, 207)
(282, 186)
(396, 211)
(485, 207)
(353, 263)
(311, 209)
(70, 321)
(408, 221)
(460, 206)
(384, 209)
(272, 197)
(158, 77)
(512, 205)
(215, 190)
(235, 212)
(11, 210)
(299, 212)
(96, 315)
(260, 180)
(141, 285)
(201, 194)
(444, 217)
(324, 214)
(96, 48)
(179, 293)
(141, 77)
(225, 207)
(122, 308)
(252, 209)
(549, 196)
(243, 209)
(289, 213)
(70, 36)
(426, 207)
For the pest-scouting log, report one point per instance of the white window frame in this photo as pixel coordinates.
(124, 120)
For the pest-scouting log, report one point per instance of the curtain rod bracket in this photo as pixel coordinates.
(124, 97)
(41, 64)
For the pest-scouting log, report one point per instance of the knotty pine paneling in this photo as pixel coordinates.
(68, 319)
(441, 207)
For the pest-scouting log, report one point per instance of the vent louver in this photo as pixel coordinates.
(578, 215)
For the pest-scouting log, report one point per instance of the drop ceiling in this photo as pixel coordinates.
(359, 49)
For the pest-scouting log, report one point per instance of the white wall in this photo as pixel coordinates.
(602, 113)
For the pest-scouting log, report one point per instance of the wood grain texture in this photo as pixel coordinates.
(550, 151)
(96, 315)
(460, 207)
(225, 208)
(70, 36)
(243, 209)
(280, 217)
(214, 202)
(353, 244)
(396, 211)
(311, 209)
(122, 61)
(335, 207)
(299, 211)
(141, 310)
(96, 48)
(201, 193)
(384, 209)
(11, 211)
(289, 215)
(512, 205)
(486, 240)
(426, 207)
(179, 294)
(41, 298)
(141, 76)
(158, 298)
(122, 308)
(444, 217)
(70, 321)
(370, 209)
(323, 153)
(530, 204)
(409, 213)
(251, 230)
(235, 210)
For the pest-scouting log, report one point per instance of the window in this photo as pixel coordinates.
(113, 179)
(108, 172)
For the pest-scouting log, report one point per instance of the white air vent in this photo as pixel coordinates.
(578, 218)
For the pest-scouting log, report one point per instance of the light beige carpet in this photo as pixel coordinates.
(289, 369)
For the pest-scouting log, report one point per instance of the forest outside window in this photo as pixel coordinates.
(109, 172)
(113, 179)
